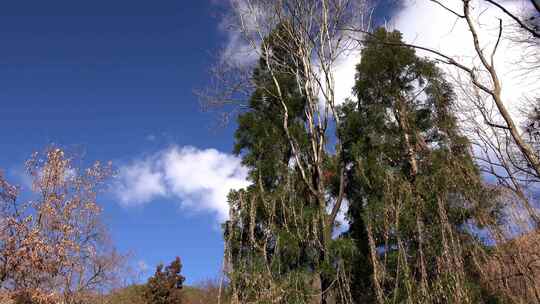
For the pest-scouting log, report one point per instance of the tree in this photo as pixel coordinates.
(55, 244)
(165, 287)
(413, 183)
(300, 43)
(483, 73)
(275, 239)
(492, 85)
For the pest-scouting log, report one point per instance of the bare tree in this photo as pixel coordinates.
(491, 84)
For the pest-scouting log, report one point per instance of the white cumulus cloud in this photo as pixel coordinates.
(198, 179)
(140, 182)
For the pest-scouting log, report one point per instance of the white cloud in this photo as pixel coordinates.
(199, 179)
(238, 47)
(203, 178)
(344, 72)
(140, 182)
(238, 50)
(425, 23)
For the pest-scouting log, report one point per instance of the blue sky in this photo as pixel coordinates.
(114, 80)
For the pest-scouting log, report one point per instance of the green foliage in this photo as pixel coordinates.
(412, 186)
(411, 171)
(274, 240)
(260, 135)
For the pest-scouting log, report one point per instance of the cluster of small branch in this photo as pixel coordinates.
(54, 245)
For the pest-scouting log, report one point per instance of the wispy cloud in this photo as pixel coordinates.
(238, 48)
(198, 179)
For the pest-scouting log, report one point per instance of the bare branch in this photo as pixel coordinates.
(523, 25)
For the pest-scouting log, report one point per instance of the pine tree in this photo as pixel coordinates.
(264, 252)
(165, 287)
(413, 184)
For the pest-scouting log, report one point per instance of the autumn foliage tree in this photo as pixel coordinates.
(54, 245)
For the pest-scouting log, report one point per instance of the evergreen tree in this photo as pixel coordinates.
(165, 287)
(274, 241)
(413, 184)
